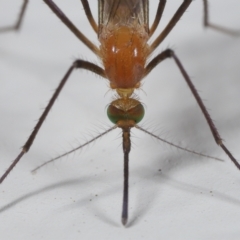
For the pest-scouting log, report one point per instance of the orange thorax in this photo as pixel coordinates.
(124, 51)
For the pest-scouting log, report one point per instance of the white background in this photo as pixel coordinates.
(80, 197)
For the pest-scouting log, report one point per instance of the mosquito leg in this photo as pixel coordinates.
(170, 54)
(178, 14)
(126, 150)
(71, 26)
(206, 22)
(19, 21)
(77, 64)
(89, 15)
(158, 17)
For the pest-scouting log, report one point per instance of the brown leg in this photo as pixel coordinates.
(206, 22)
(170, 54)
(89, 15)
(71, 26)
(77, 64)
(170, 25)
(158, 17)
(17, 25)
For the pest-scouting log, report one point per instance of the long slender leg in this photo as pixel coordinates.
(77, 64)
(170, 54)
(161, 6)
(71, 26)
(126, 150)
(178, 14)
(89, 15)
(206, 22)
(19, 21)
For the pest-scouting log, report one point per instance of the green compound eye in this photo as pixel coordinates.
(117, 112)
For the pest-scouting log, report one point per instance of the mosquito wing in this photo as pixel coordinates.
(123, 12)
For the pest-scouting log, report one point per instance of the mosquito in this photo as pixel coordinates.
(123, 32)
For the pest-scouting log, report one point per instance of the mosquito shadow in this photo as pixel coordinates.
(27, 196)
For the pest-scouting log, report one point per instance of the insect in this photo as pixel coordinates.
(124, 34)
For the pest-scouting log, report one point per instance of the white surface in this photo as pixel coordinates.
(80, 197)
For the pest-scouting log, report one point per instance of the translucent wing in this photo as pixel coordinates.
(121, 12)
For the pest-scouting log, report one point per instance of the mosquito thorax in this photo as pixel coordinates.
(124, 52)
(127, 110)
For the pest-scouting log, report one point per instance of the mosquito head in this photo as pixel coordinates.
(125, 112)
